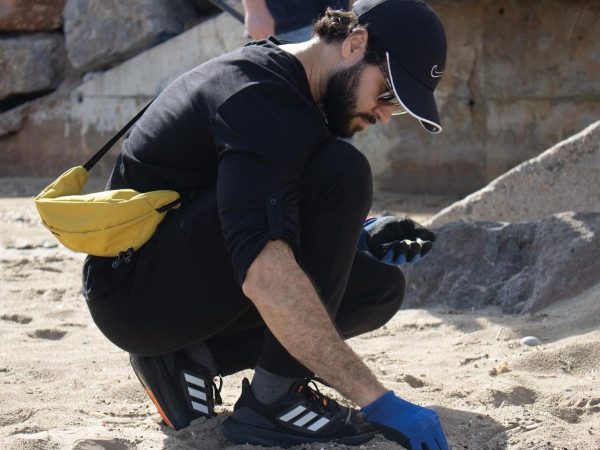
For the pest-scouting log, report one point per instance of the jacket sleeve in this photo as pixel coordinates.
(263, 136)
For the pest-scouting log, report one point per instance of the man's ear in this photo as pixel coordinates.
(355, 46)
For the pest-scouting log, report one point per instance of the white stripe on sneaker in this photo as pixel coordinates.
(194, 380)
(293, 413)
(196, 393)
(319, 424)
(200, 407)
(305, 419)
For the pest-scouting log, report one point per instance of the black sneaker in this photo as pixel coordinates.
(301, 416)
(181, 389)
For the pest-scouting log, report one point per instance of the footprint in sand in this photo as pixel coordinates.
(53, 295)
(573, 410)
(516, 396)
(32, 443)
(103, 444)
(15, 416)
(587, 406)
(17, 318)
(27, 429)
(51, 334)
(61, 314)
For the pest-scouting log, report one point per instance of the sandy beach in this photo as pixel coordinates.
(65, 386)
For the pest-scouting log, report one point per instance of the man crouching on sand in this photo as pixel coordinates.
(269, 263)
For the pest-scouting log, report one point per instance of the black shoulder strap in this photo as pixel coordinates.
(100, 153)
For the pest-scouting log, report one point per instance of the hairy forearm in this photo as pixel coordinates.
(291, 308)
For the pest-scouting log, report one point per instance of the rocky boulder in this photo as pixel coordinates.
(11, 121)
(522, 267)
(31, 15)
(564, 178)
(100, 33)
(32, 63)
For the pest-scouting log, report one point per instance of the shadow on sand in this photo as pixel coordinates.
(464, 430)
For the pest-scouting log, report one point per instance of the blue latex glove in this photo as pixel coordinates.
(395, 241)
(412, 426)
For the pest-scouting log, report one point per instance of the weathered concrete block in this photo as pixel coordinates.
(403, 156)
(11, 121)
(541, 49)
(100, 33)
(520, 76)
(496, 105)
(31, 15)
(33, 63)
(566, 177)
(521, 267)
(520, 129)
(65, 128)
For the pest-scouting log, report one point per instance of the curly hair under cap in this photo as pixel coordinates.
(336, 25)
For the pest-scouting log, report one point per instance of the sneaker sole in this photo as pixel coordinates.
(243, 433)
(151, 373)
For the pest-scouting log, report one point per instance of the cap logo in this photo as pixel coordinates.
(435, 73)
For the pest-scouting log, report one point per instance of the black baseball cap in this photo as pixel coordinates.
(414, 41)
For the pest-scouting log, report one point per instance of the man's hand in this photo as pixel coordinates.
(258, 21)
(395, 241)
(413, 426)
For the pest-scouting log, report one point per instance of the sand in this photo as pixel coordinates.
(64, 386)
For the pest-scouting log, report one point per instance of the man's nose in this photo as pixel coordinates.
(385, 113)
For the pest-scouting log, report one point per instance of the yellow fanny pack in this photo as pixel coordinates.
(105, 223)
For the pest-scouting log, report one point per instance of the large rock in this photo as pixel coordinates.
(33, 63)
(100, 33)
(65, 128)
(11, 121)
(564, 178)
(522, 267)
(31, 15)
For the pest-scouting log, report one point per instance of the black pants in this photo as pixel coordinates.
(179, 289)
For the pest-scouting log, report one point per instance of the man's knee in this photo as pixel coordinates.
(355, 173)
(372, 308)
(341, 161)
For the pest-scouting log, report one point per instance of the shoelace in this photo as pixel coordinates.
(217, 390)
(326, 405)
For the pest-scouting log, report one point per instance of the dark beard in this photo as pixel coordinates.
(339, 101)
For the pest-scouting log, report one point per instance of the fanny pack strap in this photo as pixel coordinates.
(100, 153)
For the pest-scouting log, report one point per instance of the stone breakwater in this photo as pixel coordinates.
(500, 104)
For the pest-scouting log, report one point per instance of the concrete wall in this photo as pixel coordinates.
(520, 76)
(49, 135)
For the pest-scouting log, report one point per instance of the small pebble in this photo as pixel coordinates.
(500, 368)
(531, 341)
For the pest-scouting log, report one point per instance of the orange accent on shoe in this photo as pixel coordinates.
(160, 410)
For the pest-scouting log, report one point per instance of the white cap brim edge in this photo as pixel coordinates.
(421, 119)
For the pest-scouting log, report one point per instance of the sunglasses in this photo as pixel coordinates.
(389, 97)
